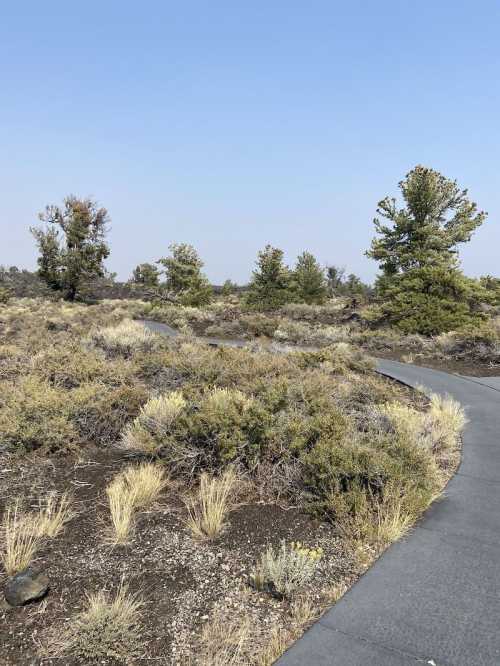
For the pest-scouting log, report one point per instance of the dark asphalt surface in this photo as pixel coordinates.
(433, 597)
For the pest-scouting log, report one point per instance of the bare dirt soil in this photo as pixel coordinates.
(180, 580)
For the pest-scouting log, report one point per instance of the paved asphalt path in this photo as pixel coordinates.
(434, 596)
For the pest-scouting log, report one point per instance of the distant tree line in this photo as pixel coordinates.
(420, 288)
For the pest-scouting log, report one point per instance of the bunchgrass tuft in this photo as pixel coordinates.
(108, 628)
(20, 539)
(209, 508)
(137, 487)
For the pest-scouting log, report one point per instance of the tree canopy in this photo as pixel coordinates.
(309, 281)
(270, 286)
(183, 277)
(72, 244)
(421, 286)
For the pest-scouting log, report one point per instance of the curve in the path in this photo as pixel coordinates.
(434, 596)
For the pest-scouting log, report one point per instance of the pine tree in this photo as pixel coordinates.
(72, 245)
(309, 282)
(270, 286)
(183, 276)
(421, 287)
(146, 275)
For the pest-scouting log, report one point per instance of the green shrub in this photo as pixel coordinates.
(350, 476)
(36, 415)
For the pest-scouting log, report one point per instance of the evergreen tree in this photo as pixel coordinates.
(183, 277)
(270, 286)
(335, 278)
(72, 245)
(228, 288)
(421, 287)
(309, 282)
(146, 275)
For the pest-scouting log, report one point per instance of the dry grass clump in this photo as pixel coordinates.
(437, 429)
(446, 420)
(238, 641)
(224, 641)
(301, 614)
(146, 482)
(209, 508)
(121, 502)
(53, 513)
(133, 489)
(285, 570)
(108, 628)
(20, 541)
(127, 337)
(23, 531)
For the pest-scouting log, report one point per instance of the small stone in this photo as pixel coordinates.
(28, 585)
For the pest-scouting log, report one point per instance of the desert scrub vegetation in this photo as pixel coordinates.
(208, 508)
(125, 338)
(237, 433)
(109, 627)
(23, 531)
(20, 541)
(284, 570)
(133, 489)
(310, 423)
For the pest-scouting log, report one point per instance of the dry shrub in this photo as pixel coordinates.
(35, 415)
(292, 331)
(108, 628)
(209, 508)
(155, 420)
(127, 337)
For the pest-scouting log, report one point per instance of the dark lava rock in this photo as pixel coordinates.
(27, 585)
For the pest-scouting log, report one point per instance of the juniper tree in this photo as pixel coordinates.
(421, 286)
(309, 282)
(72, 244)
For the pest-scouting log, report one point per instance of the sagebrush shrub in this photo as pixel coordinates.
(127, 337)
(285, 570)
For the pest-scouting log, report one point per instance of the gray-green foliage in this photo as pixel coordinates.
(183, 277)
(421, 287)
(72, 244)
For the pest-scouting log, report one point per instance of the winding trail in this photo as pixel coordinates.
(434, 596)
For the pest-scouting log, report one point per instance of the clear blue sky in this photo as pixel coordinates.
(232, 124)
